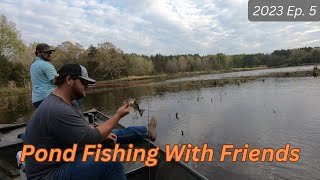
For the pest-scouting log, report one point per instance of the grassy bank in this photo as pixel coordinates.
(7, 91)
(142, 80)
(185, 85)
(309, 73)
(14, 102)
(176, 75)
(191, 85)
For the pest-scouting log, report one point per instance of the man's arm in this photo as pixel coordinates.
(69, 127)
(50, 72)
(106, 127)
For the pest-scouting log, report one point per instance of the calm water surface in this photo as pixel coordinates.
(262, 114)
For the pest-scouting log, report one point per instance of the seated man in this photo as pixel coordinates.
(59, 123)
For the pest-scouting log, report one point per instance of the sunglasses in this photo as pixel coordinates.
(48, 52)
(83, 82)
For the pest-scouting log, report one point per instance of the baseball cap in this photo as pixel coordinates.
(76, 70)
(43, 47)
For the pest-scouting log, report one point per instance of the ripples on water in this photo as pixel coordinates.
(262, 114)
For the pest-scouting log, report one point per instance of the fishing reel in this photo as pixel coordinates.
(92, 119)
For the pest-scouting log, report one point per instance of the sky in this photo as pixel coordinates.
(157, 26)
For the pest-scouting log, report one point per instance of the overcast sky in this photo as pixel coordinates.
(157, 26)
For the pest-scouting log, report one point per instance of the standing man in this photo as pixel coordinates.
(42, 74)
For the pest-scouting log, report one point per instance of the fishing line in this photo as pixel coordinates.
(149, 133)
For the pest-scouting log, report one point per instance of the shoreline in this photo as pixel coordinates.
(16, 102)
(133, 81)
(10, 91)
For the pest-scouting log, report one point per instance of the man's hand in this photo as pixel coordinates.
(112, 137)
(123, 110)
(106, 127)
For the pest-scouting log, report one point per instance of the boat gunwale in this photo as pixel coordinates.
(145, 141)
(184, 165)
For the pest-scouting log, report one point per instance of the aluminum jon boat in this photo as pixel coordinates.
(11, 143)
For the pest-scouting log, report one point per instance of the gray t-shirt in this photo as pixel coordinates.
(56, 124)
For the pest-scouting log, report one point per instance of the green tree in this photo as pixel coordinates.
(282, 52)
(110, 59)
(172, 65)
(68, 52)
(160, 63)
(206, 64)
(313, 56)
(26, 58)
(17, 74)
(238, 60)
(190, 62)
(12, 71)
(297, 57)
(92, 52)
(10, 42)
(222, 60)
(197, 64)
(274, 60)
(182, 64)
(138, 65)
(5, 72)
(214, 62)
(251, 60)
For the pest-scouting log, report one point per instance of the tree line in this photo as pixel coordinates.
(106, 61)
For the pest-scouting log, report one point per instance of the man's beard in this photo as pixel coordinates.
(76, 94)
(45, 58)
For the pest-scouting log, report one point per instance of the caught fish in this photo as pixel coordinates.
(135, 105)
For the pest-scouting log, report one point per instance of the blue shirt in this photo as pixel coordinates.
(42, 73)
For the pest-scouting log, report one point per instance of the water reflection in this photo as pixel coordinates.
(262, 114)
(15, 109)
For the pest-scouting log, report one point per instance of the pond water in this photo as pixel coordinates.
(263, 114)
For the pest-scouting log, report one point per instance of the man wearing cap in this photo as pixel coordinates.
(42, 74)
(59, 123)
